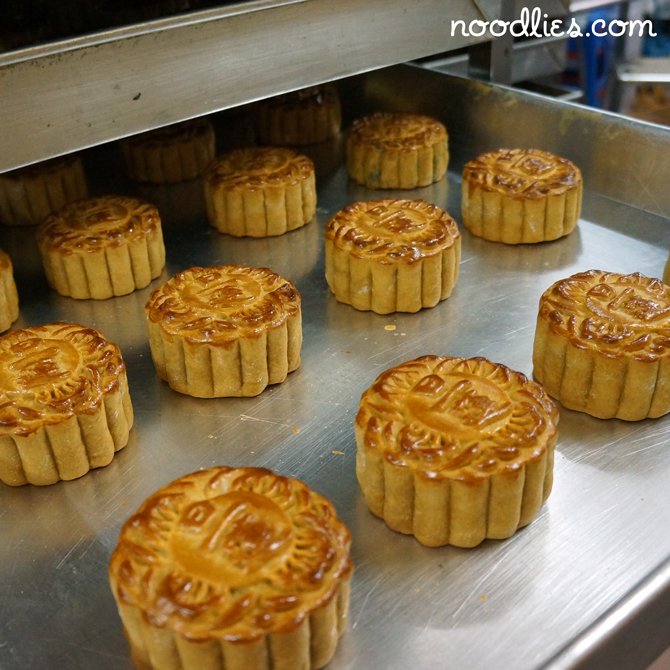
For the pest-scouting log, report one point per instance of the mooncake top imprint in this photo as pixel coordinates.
(97, 223)
(392, 230)
(455, 418)
(231, 554)
(525, 173)
(615, 314)
(51, 372)
(222, 303)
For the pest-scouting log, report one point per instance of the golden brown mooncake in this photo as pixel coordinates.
(226, 330)
(172, 154)
(102, 247)
(396, 150)
(233, 569)
(455, 451)
(602, 344)
(9, 298)
(520, 196)
(64, 403)
(29, 194)
(260, 191)
(392, 255)
(301, 117)
(666, 272)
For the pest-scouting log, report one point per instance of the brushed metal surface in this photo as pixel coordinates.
(621, 158)
(595, 556)
(531, 59)
(645, 71)
(81, 92)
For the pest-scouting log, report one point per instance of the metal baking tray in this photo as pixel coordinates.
(574, 589)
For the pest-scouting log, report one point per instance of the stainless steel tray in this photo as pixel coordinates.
(570, 590)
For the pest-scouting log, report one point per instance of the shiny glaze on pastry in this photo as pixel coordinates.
(392, 230)
(454, 418)
(259, 167)
(617, 315)
(394, 131)
(51, 372)
(97, 223)
(231, 554)
(219, 304)
(522, 173)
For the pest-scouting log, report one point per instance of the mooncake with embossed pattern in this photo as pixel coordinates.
(64, 403)
(260, 191)
(392, 255)
(455, 451)
(233, 569)
(396, 150)
(172, 154)
(9, 297)
(520, 196)
(102, 247)
(226, 330)
(301, 117)
(602, 344)
(31, 193)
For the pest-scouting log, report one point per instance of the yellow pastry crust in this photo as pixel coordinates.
(169, 155)
(235, 569)
(102, 247)
(226, 330)
(454, 451)
(396, 150)
(392, 255)
(521, 196)
(260, 191)
(602, 344)
(30, 194)
(9, 298)
(64, 403)
(302, 117)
